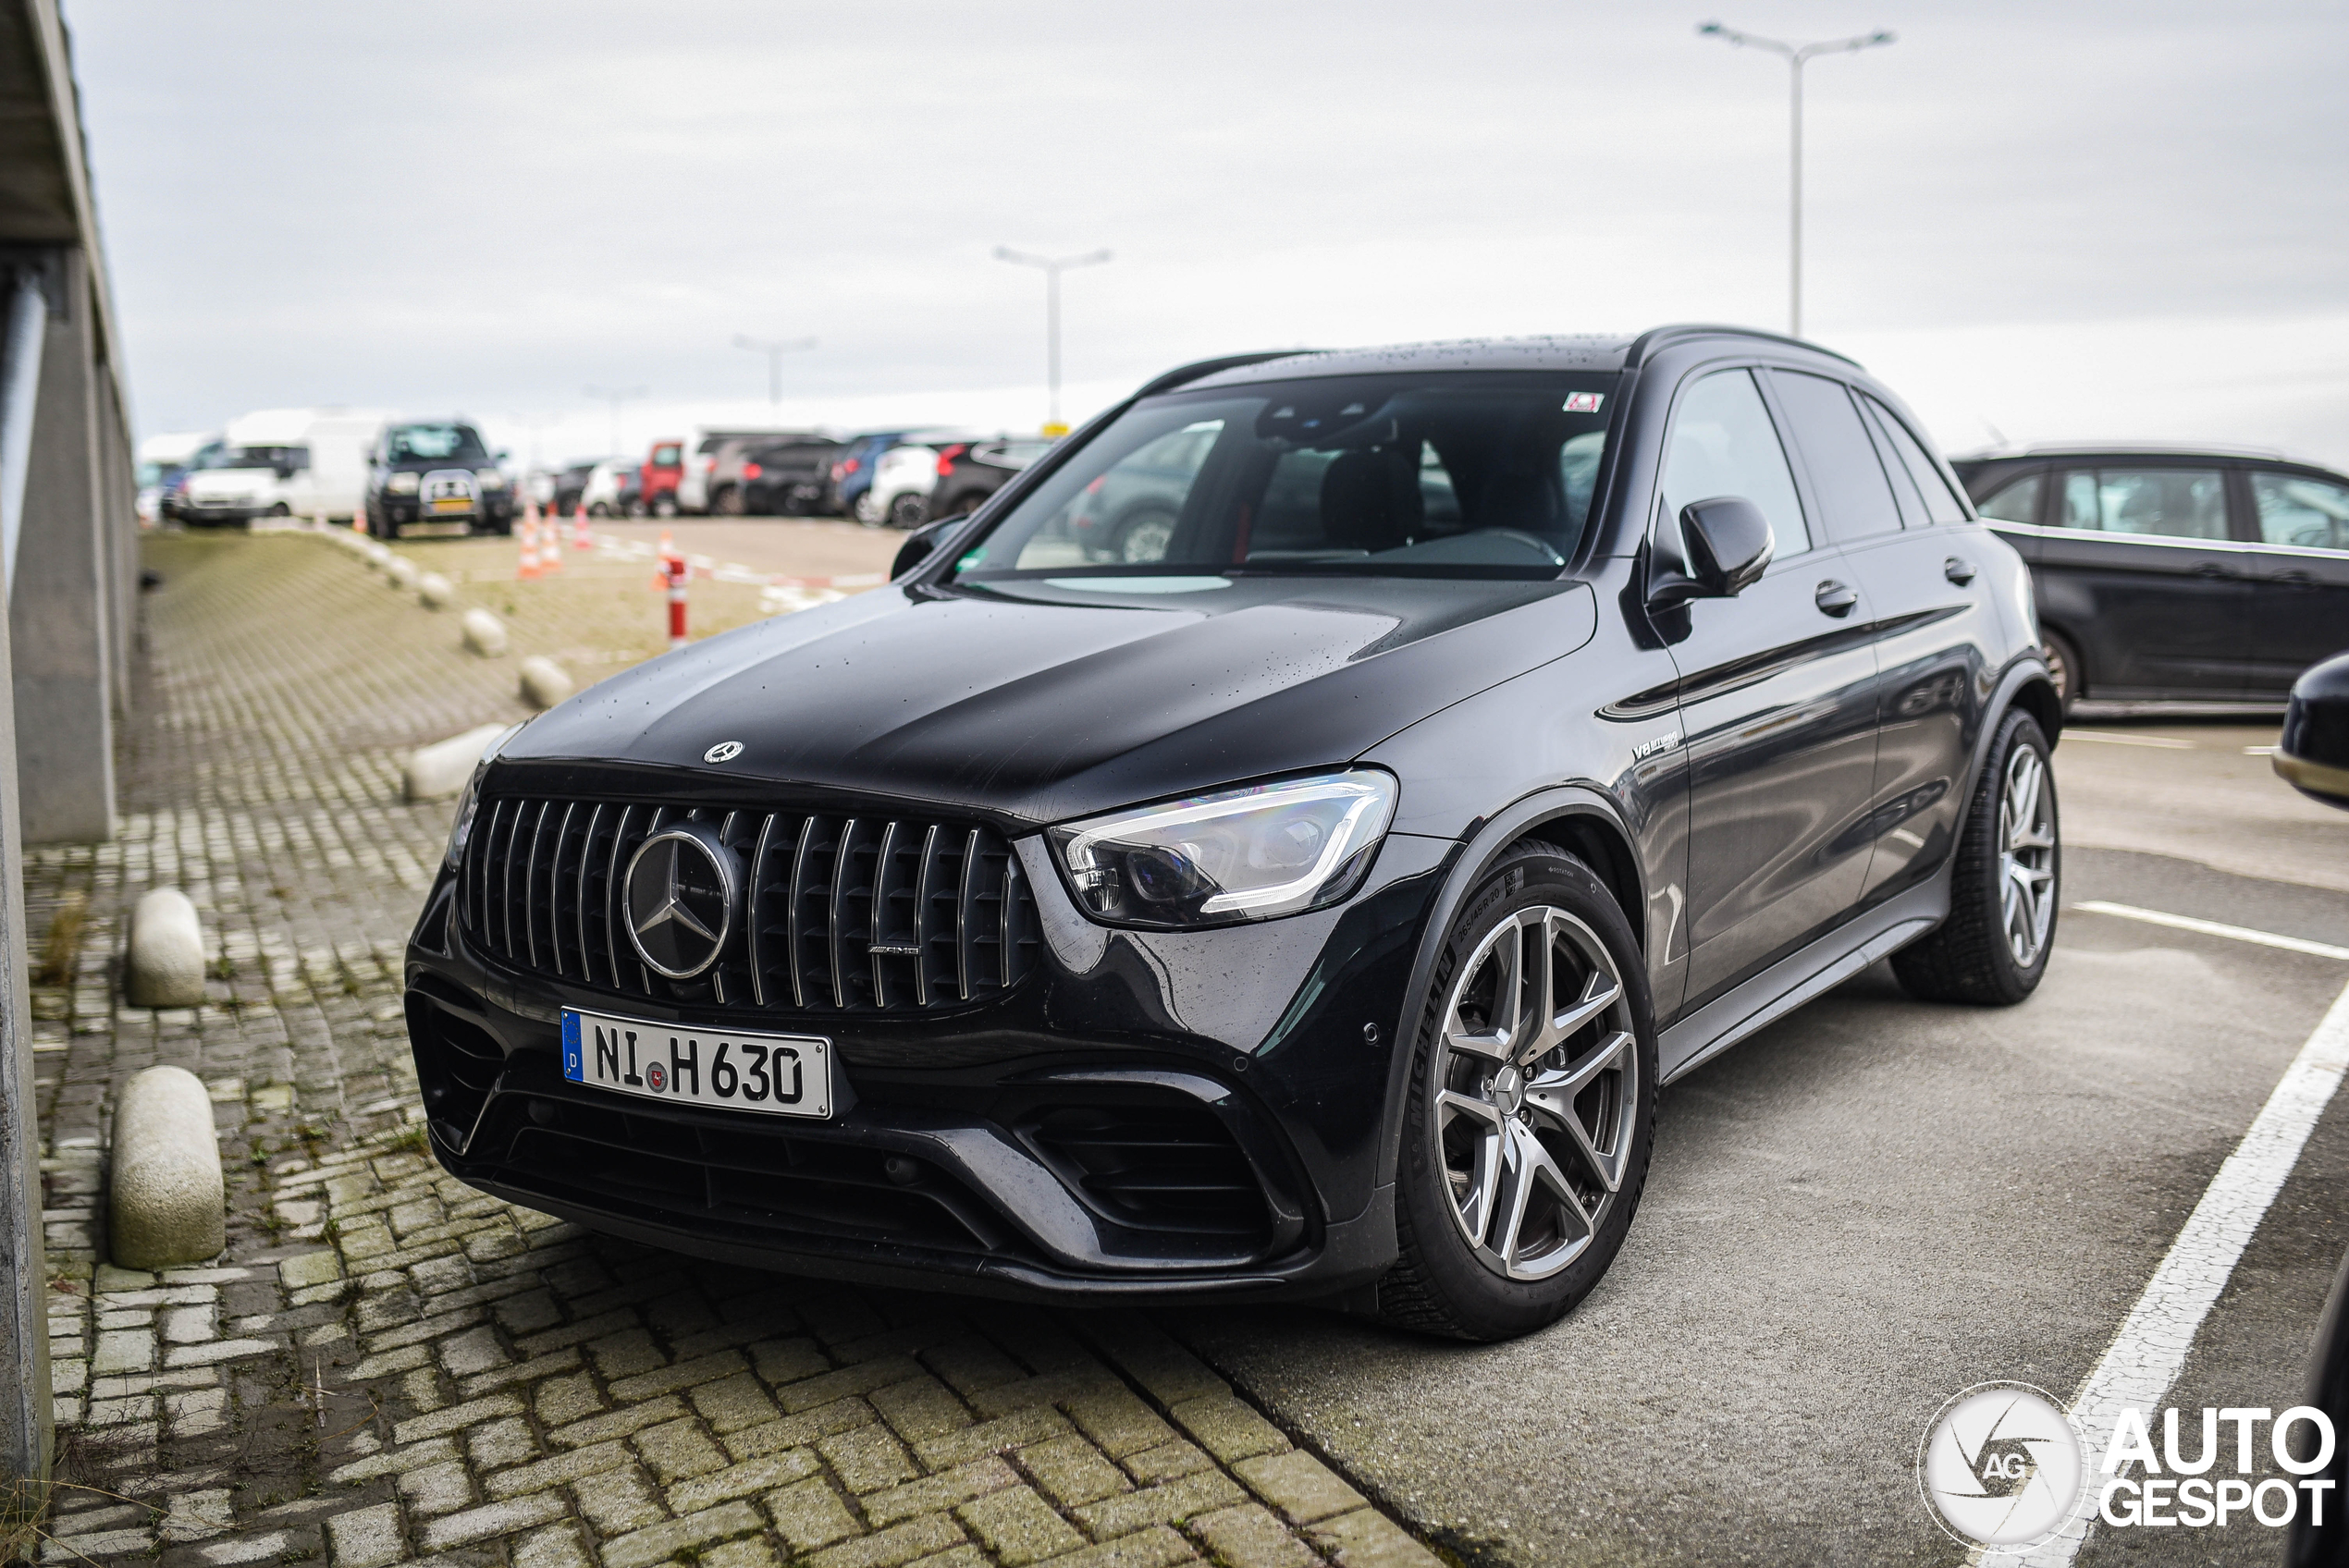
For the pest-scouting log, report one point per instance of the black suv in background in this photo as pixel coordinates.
(436, 471)
(969, 473)
(1309, 904)
(2173, 573)
(788, 478)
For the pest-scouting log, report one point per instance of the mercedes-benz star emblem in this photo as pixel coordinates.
(680, 901)
(725, 750)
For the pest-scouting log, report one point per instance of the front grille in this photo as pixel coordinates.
(845, 913)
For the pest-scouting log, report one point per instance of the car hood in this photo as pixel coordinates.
(1033, 703)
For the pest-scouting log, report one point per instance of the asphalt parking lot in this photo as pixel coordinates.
(1877, 1203)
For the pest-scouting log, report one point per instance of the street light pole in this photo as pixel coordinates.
(1052, 266)
(774, 352)
(1796, 56)
(615, 396)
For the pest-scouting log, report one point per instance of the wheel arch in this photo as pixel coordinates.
(1579, 819)
(2025, 684)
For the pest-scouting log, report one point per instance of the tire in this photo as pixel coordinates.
(2063, 663)
(1992, 951)
(909, 510)
(281, 509)
(599, 510)
(665, 508)
(728, 502)
(1479, 1261)
(1144, 538)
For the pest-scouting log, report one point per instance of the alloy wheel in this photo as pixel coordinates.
(2026, 855)
(1536, 1092)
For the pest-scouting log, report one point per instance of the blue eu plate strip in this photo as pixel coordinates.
(572, 1067)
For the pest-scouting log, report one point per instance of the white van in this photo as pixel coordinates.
(284, 462)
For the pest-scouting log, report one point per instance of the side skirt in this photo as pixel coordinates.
(1817, 969)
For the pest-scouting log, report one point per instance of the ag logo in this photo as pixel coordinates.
(2001, 1466)
(725, 750)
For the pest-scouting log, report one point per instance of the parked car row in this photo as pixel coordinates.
(898, 478)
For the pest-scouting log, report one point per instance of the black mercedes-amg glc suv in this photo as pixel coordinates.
(1309, 908)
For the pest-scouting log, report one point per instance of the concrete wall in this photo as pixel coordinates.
(65, 602)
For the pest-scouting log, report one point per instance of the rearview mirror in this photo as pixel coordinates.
(922, 541)
(2312, 755)
(1726, 541)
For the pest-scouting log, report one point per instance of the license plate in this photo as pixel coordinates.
(452, 504)
(779, 1074)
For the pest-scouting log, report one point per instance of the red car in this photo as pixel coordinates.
(659, 477)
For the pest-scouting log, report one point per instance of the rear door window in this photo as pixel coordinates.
(1940, 503)
(2176, 503)
(2301, 512)
(1846, 476)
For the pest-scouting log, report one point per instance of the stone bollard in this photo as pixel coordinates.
(166, 958)
(484, 633)
(165, 1202)
(437, 591)
(440, 770)
(544, 682)
(378, 557)
(401, 572)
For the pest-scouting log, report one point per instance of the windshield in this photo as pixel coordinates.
(1464, 474)
(434, 443)
(254, 457)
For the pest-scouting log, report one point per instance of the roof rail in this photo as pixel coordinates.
(1182, 375)
(1655, 338)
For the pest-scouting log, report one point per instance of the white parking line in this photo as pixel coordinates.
(2151, 1348)
(2112, 739)
(2212, 928)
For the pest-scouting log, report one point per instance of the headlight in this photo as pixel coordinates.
(470, 801)
(1254, 853)
(402, 484)
(491, 479)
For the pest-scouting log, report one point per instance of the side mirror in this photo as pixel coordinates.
(922, 541)
(1727, 545)
(2313, 755)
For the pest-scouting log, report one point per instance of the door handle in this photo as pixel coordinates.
(2214, 571)
(1958, 569)
(1836, 598)
(2295, 578)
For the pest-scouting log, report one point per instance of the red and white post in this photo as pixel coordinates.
(677, 575)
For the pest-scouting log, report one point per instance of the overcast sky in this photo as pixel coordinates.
(2123, 219)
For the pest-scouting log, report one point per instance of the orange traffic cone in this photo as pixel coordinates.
(668, 553)
(526, 567)
(550, 547)
(579, 540)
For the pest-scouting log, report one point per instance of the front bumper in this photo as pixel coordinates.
(400, 510)
(1193, 1114)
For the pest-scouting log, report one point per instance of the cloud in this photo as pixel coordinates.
(440, 206)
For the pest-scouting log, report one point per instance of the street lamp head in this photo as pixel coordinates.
(1708, 30)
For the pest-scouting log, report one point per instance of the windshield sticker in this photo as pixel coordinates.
(1584, 402)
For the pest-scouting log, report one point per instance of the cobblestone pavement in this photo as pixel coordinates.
(385, 1367)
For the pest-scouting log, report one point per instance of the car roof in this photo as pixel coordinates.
(2009, 454)
(1560, 351)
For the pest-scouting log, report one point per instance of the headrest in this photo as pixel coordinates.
(1371, 499)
